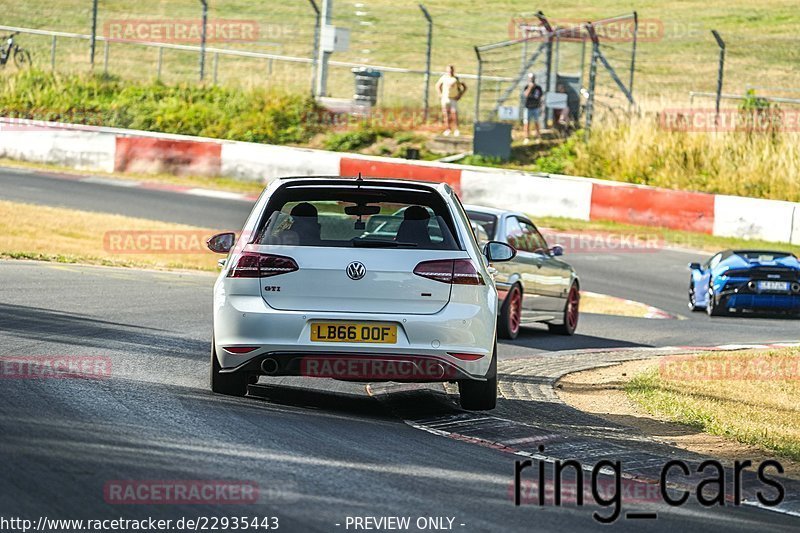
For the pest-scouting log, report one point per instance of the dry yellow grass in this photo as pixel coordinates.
(751, 396)
(67, 235)
(758, 164)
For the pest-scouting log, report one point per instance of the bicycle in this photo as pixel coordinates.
(22, 58)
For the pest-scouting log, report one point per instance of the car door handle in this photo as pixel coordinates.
(493, 271)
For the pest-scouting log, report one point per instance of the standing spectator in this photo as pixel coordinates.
(533, 106)
(450, 89)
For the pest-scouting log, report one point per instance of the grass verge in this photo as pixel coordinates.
(755, 401)
(70, 236)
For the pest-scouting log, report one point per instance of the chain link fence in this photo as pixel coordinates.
(270, 43)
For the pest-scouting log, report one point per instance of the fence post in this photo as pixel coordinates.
(720, 72)
(53, 54)
(105, 57)
(523, 64)
(592, 80)
(314, 58)
(94, 32)
(203, 36)
(427, 63)
(478, 88)
(633, 52)
(160, 62)
(550, 81)
(216, 66)
(322, 55)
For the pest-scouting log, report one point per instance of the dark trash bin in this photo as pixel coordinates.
(367, 81)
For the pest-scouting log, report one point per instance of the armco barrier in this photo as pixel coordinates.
(109, 149)
(647, 206)
(265, 162)
(536, 194)
(383, 167)
(771, 220)
(168, 156)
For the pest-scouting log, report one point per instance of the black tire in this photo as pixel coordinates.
(22, 58)
(692, 305)
(712, 308)
(569, 325)
(233, 384)
(505, 322)
(480, 395)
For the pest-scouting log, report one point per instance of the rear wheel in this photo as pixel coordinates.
(22, 58)
(711, 307)
(232, 384)
(480, 395)
(693, 298)
(571, 313)
(510, 318)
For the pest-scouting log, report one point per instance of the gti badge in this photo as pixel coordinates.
(356, 270)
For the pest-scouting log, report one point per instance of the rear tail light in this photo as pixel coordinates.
(240, 349)
(452, 271)
(253, 265)
(731, 273)
(466, 356)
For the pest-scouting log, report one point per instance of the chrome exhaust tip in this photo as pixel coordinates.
(269, 366)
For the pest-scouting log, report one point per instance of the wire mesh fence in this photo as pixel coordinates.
(675, 52)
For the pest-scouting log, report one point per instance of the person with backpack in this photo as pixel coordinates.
(533, 106)
(450, 90)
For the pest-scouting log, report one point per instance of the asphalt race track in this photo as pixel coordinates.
(318, 453)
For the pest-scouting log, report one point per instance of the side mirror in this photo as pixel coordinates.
(221, 243)
(497, 252)
(695, 266)
(557, 250)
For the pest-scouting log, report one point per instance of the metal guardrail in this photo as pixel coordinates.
(216, 52)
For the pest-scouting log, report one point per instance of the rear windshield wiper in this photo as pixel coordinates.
(365, 243)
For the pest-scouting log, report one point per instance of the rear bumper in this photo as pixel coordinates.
(365, 367)
(423, 341)
(765, 302)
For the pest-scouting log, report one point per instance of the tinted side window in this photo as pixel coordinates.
(534, 239)
(514, 233)
(524, 236)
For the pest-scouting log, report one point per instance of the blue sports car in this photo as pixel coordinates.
(746, 281)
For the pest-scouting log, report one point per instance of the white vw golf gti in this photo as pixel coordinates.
(357, 280)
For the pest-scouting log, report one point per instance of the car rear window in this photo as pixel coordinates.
(483, 225)
(762, 256)
(357, 217)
